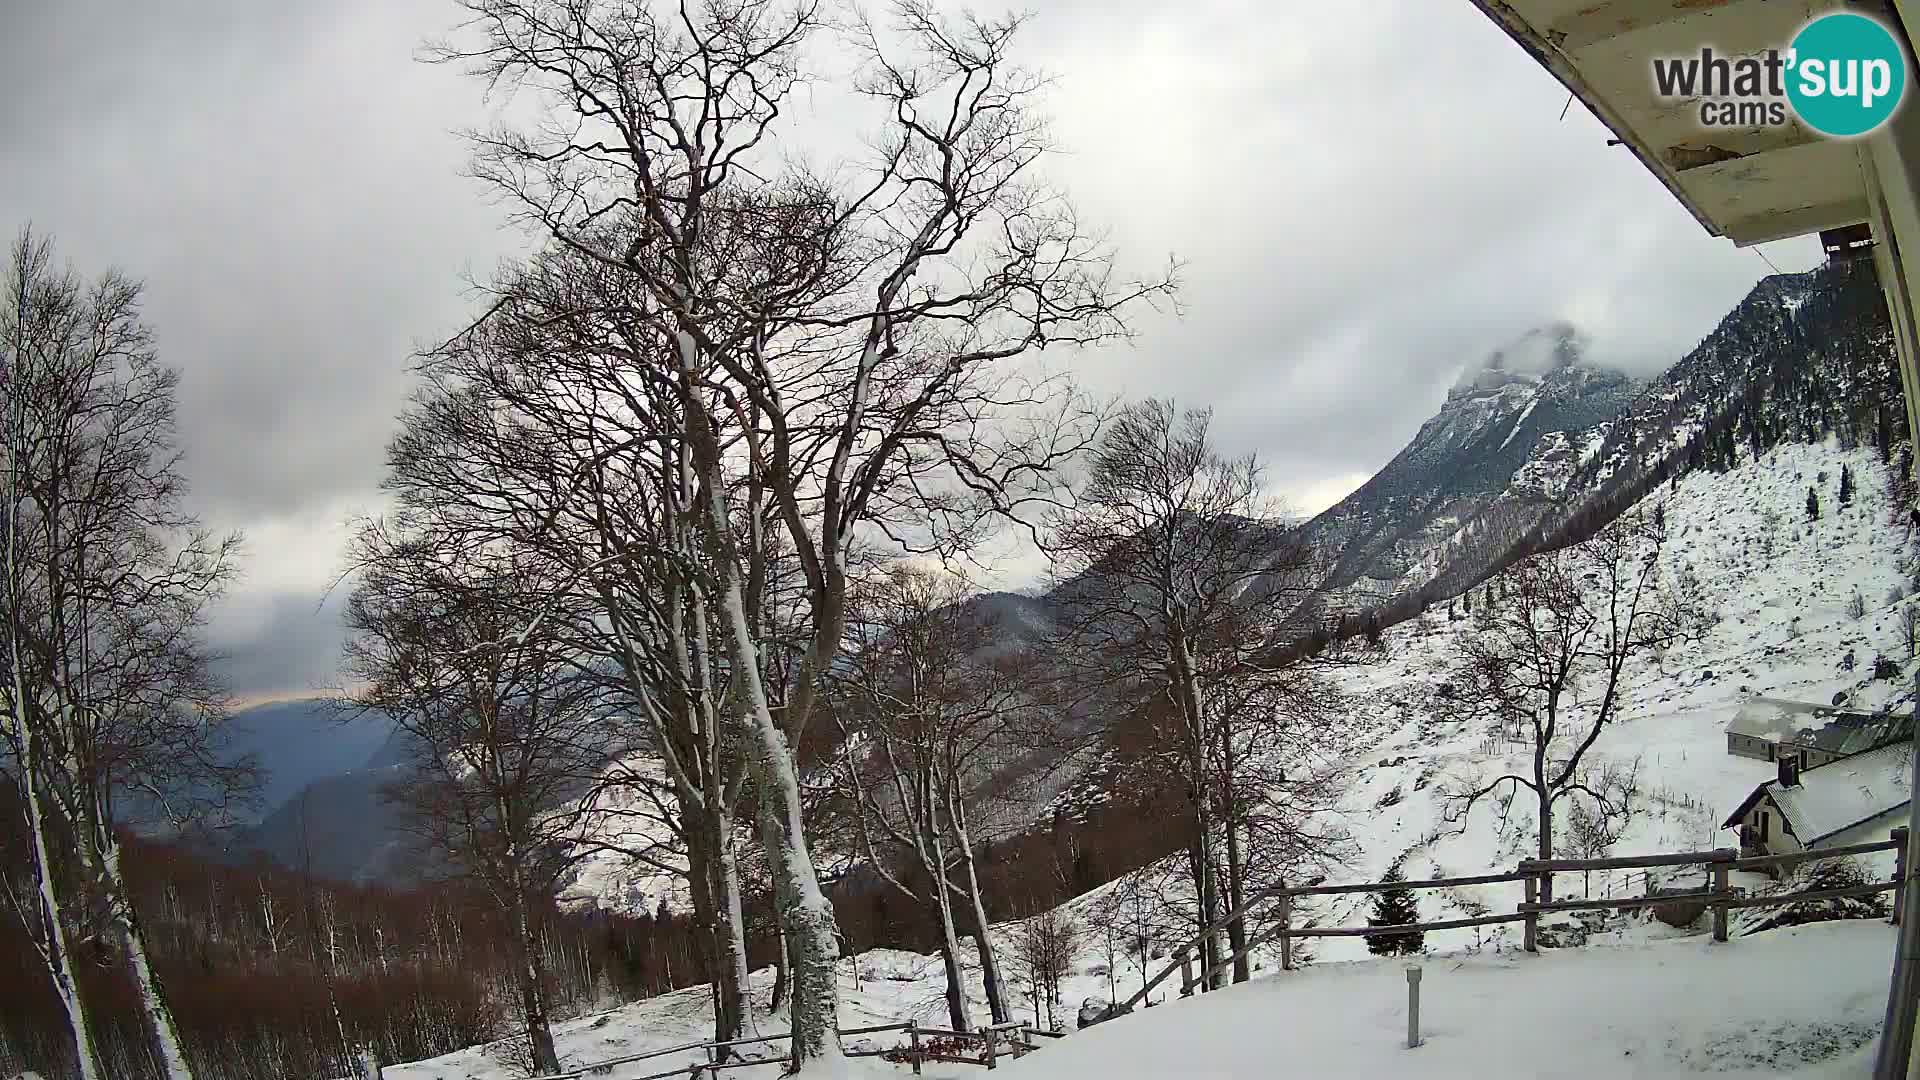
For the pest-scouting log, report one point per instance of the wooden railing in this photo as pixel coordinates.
(1015, 1039)
(1535, 875)
(1719, 896)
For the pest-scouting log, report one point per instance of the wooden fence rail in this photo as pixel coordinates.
(992, 1037)
(1536, 876)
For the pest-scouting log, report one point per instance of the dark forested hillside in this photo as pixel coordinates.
(270, 972)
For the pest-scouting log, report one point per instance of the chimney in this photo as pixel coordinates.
(1789, 770)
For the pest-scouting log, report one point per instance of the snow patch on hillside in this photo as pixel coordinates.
(1778, 587)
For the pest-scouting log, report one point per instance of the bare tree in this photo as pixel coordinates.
(1595, 825)
(927, 712)
(506, 732)
(1549, 663)
(1045, 945)
(837, 345)
(109, 692)
(1175, 570)
(528, 436)
(1278, 746)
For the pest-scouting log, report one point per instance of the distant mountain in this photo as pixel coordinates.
(1535, 443)
(341, 826)
(296, 743)
(1504, 433)
(320, 807)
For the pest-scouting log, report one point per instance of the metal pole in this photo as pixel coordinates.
(913, 1042)
(1896, 1033)
(1286, 927)
(1721, 891)
(1533, 917)
(1413, 1006)
(1899, 873)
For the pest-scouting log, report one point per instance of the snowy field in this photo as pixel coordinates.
(1800, 1003)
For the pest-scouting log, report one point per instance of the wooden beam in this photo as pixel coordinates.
(1387, 886)
(1760, 862)
(1623, 902)
(1603, 22)
(1404, 928)
(1632, 862)
(1811, 894)
(1797, 222)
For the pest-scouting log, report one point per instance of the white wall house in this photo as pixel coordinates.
(1849, 801)
(1767, 729)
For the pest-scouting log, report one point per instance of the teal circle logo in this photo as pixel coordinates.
(1846, 74)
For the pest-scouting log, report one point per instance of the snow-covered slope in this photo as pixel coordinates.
(1778, 589)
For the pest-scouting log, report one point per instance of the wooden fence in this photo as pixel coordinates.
(1536, 876)
(1013, 1039)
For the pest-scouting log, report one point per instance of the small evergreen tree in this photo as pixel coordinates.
(1813, 505)
(1395, 907)
(1846, 485)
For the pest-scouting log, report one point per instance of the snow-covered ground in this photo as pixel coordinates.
(1801, 1003)
(881, 987)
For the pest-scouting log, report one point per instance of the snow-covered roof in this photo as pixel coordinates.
(1834, 797)
(1799, 723)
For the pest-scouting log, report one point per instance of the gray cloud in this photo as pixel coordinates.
(1367, 197)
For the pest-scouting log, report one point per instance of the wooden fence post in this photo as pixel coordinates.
(1899, 872)
(1286, 926)
(1186, 972)
(1722, 892)
(1531, 884)
(913, 1045)
(992, 1038)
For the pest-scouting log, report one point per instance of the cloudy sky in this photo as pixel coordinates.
(1368, 195)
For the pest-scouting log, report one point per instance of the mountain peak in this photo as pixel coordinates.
(1526, 360)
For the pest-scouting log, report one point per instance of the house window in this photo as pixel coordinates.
(1770, 749)
(1765, 824)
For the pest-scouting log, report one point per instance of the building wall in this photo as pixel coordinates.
(1770, 825)
(1749, 746)
(1879, 828)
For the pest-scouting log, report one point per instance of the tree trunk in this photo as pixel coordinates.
(153, 1002)
(706, 944)
(781, 983)
(731, 937)
(808, 915)
(957, 1013)
(1186, 691)
(815, 948)
(1236, 895)
(56, 943)
(938, 888)
(989, 958)
(533, 1003)
(1546, 843)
